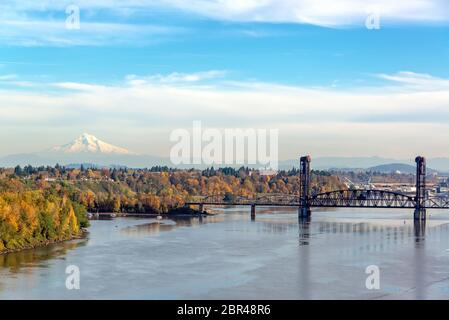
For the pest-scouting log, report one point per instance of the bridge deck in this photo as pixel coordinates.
(335, 199)
(312, 206)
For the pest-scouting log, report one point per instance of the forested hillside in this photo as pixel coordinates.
(156, 190)
(50, 203)
(31, 218)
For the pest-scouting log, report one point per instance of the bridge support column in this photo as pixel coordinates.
(420, 214)
(420, 200)
(420, 230)
(201, 208)
(304, 212)
(304, 187)
(253, 212)
(304, 230)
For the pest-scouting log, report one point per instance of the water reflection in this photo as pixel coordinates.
(376, 235)
(34, 257)
(153, 227)
(370, 233)
(419, 261)
(168, 224)
(304, 230)
(420, 230)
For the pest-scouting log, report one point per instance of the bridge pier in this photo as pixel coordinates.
(201, 207)
(304, 230)
(420, 230)
(253, 212)
(304, 187)
(304, 212)
(420, 199)
(420, 214)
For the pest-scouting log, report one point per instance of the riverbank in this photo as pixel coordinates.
(82, 235)
(183, 211)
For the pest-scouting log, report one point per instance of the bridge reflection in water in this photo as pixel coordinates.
(420, 202)
(395, 235)
(352, 242)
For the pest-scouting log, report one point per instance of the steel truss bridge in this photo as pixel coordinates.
(333, 199)
(336, 199)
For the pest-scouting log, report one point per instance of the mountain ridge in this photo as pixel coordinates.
(87, 148)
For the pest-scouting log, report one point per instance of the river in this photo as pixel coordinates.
(229, 256)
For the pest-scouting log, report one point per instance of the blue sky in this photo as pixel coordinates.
(310, 68)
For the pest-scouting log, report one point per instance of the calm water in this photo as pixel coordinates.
(231, 257)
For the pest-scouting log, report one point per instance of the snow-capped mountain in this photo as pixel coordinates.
(87, 143)
(85, 149)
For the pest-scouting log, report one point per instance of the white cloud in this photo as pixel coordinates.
(417, 80)
(111, 22)
(316, 118)
(39, 32)
(317, 12)
(78, 86)
(8, 77)
(12, 80)
(176, 77)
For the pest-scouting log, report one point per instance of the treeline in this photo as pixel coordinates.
(158, 189)
(33, 217)
(46, 204)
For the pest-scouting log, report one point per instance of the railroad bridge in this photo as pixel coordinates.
(351, 198)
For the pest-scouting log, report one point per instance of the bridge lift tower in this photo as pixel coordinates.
(305, 200)
(304, 187)
(420, 200)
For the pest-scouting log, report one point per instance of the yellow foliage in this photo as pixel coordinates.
(28, 218)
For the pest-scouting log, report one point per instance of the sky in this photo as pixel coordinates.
(337, 78)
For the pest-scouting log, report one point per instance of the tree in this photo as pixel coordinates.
(116, 205)
(229, 197)
(18, 171)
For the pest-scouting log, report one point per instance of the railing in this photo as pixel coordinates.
(259, 199)
(362, 198)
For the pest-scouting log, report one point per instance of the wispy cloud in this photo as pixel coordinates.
(414, 92)
(13, 81)
(417, 80)
(326, 116)
(176, 77)
(317, 12)
(42, 22)
(8, 77)
(54, 33)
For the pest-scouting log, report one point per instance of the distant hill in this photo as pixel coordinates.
(369, 163)
(326, 163)
(93, 152)
(397, 167)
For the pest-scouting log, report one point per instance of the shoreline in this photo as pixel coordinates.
(82, 235)
(179, 212)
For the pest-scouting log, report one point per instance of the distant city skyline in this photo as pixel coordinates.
(133, 73)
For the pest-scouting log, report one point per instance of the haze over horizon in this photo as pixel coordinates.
(89, 150)
(135, 72)
(88, 143)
